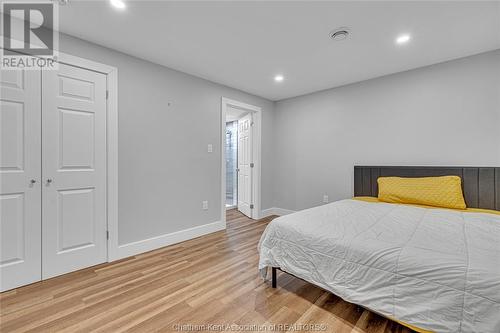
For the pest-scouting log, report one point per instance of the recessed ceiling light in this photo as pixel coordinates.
(279, 78)
(118, 4)
(403, 39)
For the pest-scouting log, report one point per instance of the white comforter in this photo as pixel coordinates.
(435, 269)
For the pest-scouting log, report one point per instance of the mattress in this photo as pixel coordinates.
(435, 269)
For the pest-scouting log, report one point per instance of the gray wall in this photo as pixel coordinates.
(165, 171)
(445, 114)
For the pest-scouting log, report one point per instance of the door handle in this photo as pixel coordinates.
(32, 181)
(49, 181)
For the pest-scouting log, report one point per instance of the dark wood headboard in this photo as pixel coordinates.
(481, 185)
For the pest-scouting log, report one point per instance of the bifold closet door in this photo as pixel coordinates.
(74, 170)
(20, 172)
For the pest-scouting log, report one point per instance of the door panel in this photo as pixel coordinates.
(244, 160)
(20, 163)
(74, 170)
(77, 219)
(77, 139)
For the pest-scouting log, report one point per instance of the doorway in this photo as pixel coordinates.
(231, 152)
(240, 158)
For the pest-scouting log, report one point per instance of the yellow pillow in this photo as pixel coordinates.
(443, 191)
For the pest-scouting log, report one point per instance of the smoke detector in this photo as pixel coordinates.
(339, 34)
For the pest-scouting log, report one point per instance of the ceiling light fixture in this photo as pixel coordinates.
(118, 4)
(279, 78)
(403, 39)
(339, 34)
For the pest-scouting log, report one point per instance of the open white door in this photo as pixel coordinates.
(245, 165)
(74, 170)
(20, 168)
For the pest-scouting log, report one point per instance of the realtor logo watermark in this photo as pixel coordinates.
(30, 38)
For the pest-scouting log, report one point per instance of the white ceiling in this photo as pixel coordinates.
(244, 44)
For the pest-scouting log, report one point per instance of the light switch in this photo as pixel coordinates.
(210, 148)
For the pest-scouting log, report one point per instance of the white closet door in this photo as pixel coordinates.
(20, 169)
(74, 170)
(244, 169)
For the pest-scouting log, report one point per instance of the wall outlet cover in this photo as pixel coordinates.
(325, 198)
(205, 205)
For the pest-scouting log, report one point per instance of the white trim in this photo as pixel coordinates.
(276, 211)
(85, 63)
(145, 245)
(256, 144)
(111, 143)
(71, 60)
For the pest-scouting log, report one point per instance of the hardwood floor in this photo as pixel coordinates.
(209, 280)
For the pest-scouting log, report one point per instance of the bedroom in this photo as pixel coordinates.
(113, 167)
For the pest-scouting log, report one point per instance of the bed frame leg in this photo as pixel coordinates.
(273, 274)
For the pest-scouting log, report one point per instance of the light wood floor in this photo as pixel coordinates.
(208, 280)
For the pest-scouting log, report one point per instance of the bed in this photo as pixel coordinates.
(431, 269)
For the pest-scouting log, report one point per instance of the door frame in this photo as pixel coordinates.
(256, 154)
(111, 145)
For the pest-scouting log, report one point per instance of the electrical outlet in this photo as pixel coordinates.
(325, 198)
(210, 148)
(205, 205)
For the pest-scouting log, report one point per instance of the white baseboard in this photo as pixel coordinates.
(131, 249)
(275, 211)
